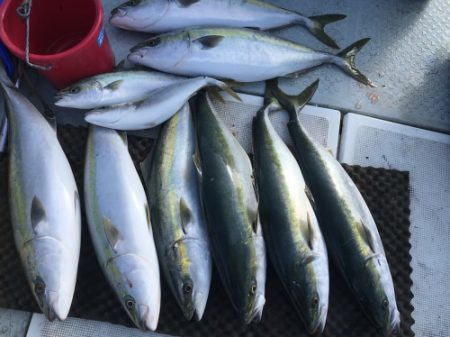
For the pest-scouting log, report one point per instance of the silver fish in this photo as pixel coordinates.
(176, 214)
(231, 208)
(119, 223)
(243, 55)
(113, 88)
(291, 231)
(158, 16)
(156, 109)
(349, 229)
(44, 205)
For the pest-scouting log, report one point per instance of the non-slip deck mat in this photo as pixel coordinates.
(386, 192)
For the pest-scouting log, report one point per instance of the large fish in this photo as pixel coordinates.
(44, 205)
(119, 222)
(113, 88)
(231, 208)
(156, 109)
(349, 229)
(157, 16)
(240, 54)
(294, 241)
(176, 214)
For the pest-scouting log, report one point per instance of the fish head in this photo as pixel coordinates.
(139, 14)
(250, 303)
(162, 52)
(109, 117)
(309, 294)
(83, 95)
(137, 285)
(377, 297)
(190, 279)
(53, 278)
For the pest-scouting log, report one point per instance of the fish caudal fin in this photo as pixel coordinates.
(225, 87)
(4, 79)
(293, 104)
(346, 61)
(316, 25)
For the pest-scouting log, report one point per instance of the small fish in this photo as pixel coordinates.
(113, 88)
(119, 223)
(231, 208)
(239, 54)
(156, 109)
(176, 213)
(349, 229)
(158, 16)
(291, 231)
(44, 205)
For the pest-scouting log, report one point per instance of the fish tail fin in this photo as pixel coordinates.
(292, 103)
(316, 25)
(225, 87)
(346, 61)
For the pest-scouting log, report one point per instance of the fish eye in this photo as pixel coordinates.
(187, 288)
(315, 301)
(154, 42)
(132, 3)
(39, 287)
(253, 288)
(385, 304)
(74, 90)
(130, 302)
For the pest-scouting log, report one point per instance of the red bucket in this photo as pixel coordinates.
(65, 35)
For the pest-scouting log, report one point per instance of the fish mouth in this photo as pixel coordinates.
(394, 327)
(147, 321)
(55, 307)
(320, 323)
(256, 314)
(200, 305)
(60, 100)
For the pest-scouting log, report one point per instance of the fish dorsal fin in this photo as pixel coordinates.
(310, 196)
(366, 235)
(113, 86)
(186, 3)
(38, 214)
(112, 233)
(185, 215)
(147, 215)
(309, 233)
(124, 137)
(197, 163)
(208, 42)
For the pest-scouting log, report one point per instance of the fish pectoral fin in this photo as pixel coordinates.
(308, 232)
(113, 86)
(215, 92)
(309, 258)
(210, 41)
(147, 216)
(185, 215)
(38, 214)
(197, 163)
(310, 197)
(112, 233)
(186, 3)
(365, 233)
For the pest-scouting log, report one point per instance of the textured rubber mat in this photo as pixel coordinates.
(386, 192)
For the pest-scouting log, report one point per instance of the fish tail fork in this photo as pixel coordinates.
(346, 61)
(316, 25)
(293, 104)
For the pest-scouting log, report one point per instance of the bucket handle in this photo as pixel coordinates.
(24, 11)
